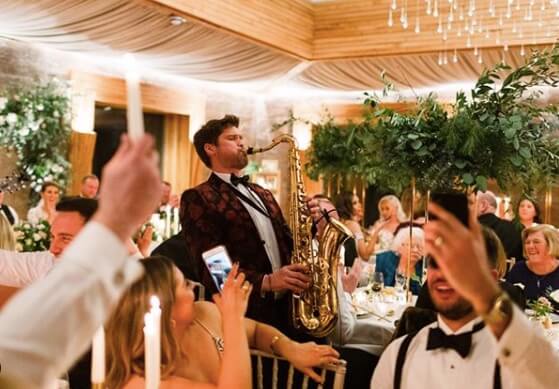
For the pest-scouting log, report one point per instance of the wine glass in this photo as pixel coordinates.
(377, 282)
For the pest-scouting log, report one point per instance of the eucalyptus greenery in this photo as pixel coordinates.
(500, 131)
(35, 123)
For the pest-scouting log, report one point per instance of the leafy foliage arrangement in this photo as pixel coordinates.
(499, 132)
(35, 123)
(31, 237)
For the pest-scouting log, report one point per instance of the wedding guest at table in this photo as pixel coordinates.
(505, 230)
(539, 274)
(89, 187)
(350, 210)
(391, 216)
(168, 198)
(69, 305)
(497, 262)
(494, 344)
(202, 343)
(8, 211)
(527, 213)
(46, 208)
(7, 237)
(394, 266)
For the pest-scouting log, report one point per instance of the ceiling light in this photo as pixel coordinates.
(176, 20)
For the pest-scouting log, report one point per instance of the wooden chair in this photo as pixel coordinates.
(338, 372)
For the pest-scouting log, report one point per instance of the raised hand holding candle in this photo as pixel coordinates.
(98, 358)
(134, 113)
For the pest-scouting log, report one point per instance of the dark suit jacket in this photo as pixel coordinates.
(211, 215)
(175, 248)
(507, 232)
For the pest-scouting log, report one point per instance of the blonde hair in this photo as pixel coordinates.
(124, 330)
(550, 234)
(403, 236)
(393, 200)
(7, 237)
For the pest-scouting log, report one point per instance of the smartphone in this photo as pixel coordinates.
(455, 203)
(218, 263)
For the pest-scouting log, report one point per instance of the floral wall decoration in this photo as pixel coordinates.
(35, 124)
(500, 131)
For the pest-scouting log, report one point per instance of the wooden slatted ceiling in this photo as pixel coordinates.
(286, 25)
(358, 28)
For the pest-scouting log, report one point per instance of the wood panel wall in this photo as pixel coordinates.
(82, 148)
(358, 28)
(286, 25)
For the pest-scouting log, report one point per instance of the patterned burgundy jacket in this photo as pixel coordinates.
(211, 215)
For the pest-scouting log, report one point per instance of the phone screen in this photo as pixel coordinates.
(455, 203)
(218, 263)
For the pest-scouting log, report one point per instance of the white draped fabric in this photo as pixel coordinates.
(108, 28)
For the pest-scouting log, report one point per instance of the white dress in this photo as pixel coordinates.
(37, 213)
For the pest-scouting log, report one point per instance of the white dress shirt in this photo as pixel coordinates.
(21, 269)
(263, 223)
(526, 358)
(47, 326)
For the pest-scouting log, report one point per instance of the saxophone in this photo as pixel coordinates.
(315, 310)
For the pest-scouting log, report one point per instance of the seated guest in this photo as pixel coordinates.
(391, 216)
(527, 213)
(394, 264)
(480, 339)
(8, 211)
(497, 261)
(350, 211)
(167, 198)
(201, 342)
(7, 238)
(505, 230)
(90, 186)
(539, 274)
(46, 208)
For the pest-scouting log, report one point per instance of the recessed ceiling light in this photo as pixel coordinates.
(176, 20)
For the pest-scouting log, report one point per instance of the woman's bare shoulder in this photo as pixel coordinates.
(206, 310)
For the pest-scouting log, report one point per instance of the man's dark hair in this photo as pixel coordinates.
(209, 134)
(344, 205)
(85, 207)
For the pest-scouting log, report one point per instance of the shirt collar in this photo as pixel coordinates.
(469, 326)
(224, 176)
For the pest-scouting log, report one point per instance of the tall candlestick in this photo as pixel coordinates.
(155, 312)
(134, 113)
(149, 352)
(98, 357)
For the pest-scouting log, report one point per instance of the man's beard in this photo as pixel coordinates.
(241, 161)
(457, 311)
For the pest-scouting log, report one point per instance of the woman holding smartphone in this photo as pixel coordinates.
(203, 345)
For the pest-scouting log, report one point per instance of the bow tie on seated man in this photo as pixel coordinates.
(461, 343)
(236, 180)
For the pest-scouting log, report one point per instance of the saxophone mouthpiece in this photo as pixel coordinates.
(251, 151)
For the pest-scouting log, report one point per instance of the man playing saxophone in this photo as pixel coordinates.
(245, 218)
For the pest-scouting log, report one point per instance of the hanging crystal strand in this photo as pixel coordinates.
(491, 8)
(451, 15)
(405, 22)
(461, 14)
(542, 7)
(390, 20)
(518, 5)
(476, 51)
(522, 50)
(440, 26)
(445, 58)
(455, 5)
(440, 61)
(480, 58)
(506, 46)
(455, 56)
(417, 25)
(503, 60)
(429, 7)
(509, 9)
(436, 9)
(487, 33)
(394, 5)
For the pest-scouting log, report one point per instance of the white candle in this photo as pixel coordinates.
(155, 313)
(98, 357)
(149, 349)
(134, 113)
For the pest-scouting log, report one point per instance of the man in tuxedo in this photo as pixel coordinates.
(246, 219)
(505, 230)
(480, 339)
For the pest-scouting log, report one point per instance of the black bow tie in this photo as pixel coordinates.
(236, 180)
(461, 343)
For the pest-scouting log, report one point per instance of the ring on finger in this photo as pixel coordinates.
(246, 286)
(438, 241)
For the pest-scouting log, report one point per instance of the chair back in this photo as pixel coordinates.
(338, 371)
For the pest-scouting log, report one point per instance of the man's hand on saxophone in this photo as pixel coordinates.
(290, 277)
